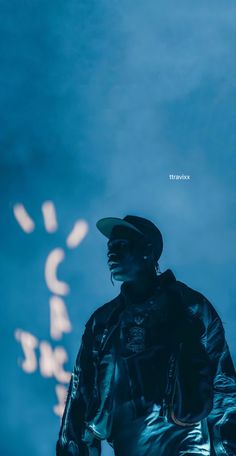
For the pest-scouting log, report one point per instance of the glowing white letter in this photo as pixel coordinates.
(51, 362)
(49, 216)
(59, 320)
(61, 393)
(23, 218)
(77, 234)
(29, 344)
(53, 260)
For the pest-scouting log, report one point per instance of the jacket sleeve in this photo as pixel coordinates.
(193, 396)
(70, 441)
(222, 419)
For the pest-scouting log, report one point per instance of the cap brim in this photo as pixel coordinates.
(106, 225)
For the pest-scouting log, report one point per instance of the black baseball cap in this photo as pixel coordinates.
(141, 225)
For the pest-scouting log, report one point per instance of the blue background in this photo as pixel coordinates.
(100, 102)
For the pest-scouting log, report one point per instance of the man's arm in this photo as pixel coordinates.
(222, 419)
(221, 362)
(70, 442)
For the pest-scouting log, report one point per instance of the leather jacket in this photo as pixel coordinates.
(200, 379)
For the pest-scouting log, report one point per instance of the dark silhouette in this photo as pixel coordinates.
(154, 375)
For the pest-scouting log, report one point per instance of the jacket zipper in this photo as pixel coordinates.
(176, 421)
(106, 334)
(168, 400)
(169, 388)
(131, 388)
(105, 338)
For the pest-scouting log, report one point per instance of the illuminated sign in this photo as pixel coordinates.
(50, 361)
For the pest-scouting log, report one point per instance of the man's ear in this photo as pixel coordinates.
(149, 254)
(149, 250)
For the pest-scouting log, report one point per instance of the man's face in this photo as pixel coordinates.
(126, 250)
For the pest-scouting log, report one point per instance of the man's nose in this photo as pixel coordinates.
(112, 255)
(117, 251)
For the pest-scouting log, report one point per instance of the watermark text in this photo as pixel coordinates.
(179, 177)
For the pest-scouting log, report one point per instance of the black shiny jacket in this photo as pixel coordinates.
(200, 376)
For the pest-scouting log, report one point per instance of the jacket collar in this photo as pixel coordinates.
(159, 284)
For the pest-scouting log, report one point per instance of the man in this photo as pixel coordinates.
(153, 375)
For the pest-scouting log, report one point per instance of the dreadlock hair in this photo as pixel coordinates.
(111, 277)
(157, 269)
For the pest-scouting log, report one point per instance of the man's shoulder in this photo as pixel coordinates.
(195, 300)
(181, 289)
(186, 290)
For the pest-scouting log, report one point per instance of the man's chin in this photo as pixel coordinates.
(118, 277)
